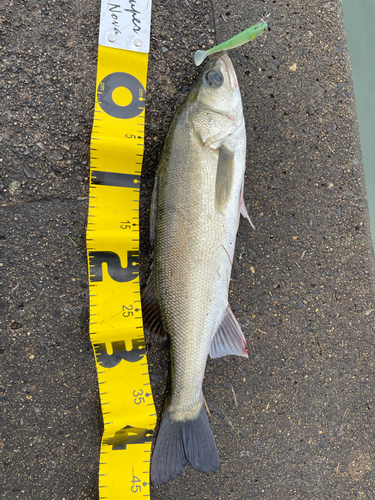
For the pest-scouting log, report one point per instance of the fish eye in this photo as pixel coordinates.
(214, 78)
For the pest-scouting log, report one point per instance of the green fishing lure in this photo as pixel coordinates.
(240, 39)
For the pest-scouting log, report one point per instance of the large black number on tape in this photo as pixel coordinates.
(115, 270)
(129, 435)
(112, 82)
(119, 352)
(100, 178)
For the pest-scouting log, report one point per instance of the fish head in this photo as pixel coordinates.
(217, 110)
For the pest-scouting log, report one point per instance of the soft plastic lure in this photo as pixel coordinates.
(240, 39)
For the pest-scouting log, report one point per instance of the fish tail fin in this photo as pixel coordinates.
(181, 442)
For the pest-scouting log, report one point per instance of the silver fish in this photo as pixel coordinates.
(197, 201)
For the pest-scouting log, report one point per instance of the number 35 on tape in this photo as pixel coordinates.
(116, 327)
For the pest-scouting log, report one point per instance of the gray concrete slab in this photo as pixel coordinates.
(296, 419)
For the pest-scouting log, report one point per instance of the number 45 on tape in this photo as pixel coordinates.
(116, 327)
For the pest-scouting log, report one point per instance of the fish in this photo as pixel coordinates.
(196, 205)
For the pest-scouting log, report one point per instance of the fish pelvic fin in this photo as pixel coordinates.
(150, 309)
(181, 442)
(228, 338)
(242, 208)
(245, 214)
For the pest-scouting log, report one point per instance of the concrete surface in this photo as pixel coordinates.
(295, 420)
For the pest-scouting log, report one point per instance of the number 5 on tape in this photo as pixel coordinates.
(116, 327)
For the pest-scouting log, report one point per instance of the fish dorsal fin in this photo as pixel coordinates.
(153, 214)
(224, 177)
(150, 309)
(228, 338)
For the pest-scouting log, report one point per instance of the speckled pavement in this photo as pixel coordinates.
(294, 421)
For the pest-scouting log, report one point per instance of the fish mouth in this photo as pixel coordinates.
(231, 72)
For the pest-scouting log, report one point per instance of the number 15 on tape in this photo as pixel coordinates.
(116, 327)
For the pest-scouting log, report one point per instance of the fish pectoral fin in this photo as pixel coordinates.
(224, 177)
(151, 310)
(228, 338)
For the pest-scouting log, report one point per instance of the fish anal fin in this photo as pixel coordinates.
(151, 311)
(228, 338)
(224, 177)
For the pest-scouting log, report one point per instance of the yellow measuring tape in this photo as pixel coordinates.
(116, 327)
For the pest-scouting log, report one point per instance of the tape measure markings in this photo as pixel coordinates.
(113, 265)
